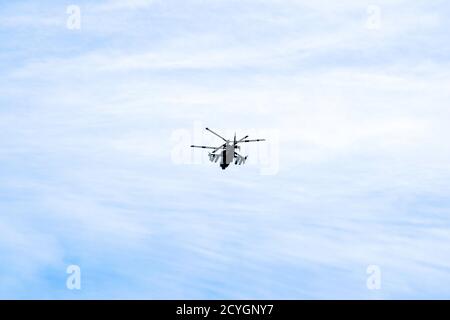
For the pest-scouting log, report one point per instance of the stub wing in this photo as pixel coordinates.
(213, 157)
(239, 159)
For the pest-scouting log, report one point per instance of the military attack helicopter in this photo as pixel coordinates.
(226, 152)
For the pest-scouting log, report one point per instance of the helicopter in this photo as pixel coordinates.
(226, 152)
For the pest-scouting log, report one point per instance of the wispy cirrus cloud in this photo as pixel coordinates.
(87, 175)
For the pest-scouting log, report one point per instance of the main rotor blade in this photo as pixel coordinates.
(253, 140)
(203, 147)
(217, 135)
(222, 146)
(236, 142)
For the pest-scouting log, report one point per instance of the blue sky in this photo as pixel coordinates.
(89, 121)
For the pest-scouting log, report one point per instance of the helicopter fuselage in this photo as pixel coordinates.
(227, 156)
(227, 151)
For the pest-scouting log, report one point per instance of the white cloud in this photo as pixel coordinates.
(122, 4)
(363, 128)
